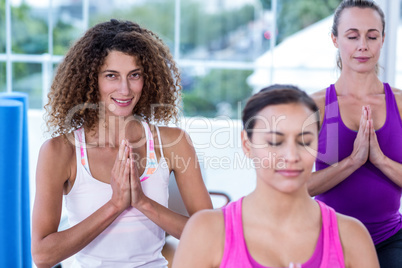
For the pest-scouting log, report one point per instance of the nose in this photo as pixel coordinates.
(124, 88)
(363, 44)
(291, 154)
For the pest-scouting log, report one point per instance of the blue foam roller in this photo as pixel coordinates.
(11, 114)
(25, 199)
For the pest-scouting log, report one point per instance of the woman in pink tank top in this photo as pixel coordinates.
(278, 224)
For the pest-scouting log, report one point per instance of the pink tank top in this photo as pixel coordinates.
(328, 251)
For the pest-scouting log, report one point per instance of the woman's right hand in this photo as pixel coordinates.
(120, 178)
(361, 145)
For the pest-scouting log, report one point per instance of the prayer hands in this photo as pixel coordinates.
(366, 145)
(376, 156)
(119, 180)
(360, 152)
(136, 189)
(125, 181)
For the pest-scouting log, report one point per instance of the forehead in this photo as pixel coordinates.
(293, 117)
(119, 58)
(358, 18)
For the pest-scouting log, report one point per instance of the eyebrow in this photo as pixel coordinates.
(113, 71)
(356, 30)
(282, 134)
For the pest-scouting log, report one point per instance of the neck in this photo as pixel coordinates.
(279, 208)
(358, 84)
(113, 129)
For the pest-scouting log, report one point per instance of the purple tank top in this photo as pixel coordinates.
(367, 194)
(328, 251)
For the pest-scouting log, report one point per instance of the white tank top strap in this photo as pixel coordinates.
(159, 141)
(152, 162)
(81, 149)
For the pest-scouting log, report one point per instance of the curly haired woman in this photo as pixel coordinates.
(111, 165)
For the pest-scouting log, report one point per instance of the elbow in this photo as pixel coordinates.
(41, 262)
(43, 259)
(311, 189)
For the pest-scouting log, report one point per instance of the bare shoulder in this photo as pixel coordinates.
(319, 98)
(349, 225)
(56, 156)
(171, 134)
(398, 97)
(175, 140)
(207, 229)
(58, 146)
(211, 220)
(358, 247)
(210, 226)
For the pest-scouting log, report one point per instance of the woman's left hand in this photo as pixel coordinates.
(376, 156)
(137, 194)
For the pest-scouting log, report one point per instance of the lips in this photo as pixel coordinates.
(289, 172)
(362, 59)
(122, 102)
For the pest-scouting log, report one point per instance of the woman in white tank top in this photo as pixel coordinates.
(109, 163)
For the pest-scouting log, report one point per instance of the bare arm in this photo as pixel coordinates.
(202, 242)
(49, 246)
(182, 160)
(358, 247)
(325, 179)
(390, 168)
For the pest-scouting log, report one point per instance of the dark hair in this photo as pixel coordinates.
(275, 95)
(76, 81)
(354, 3)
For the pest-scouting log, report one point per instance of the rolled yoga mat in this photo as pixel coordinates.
(24, 208)
(11, 114)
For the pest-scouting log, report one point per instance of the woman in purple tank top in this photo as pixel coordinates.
(278, 224)
(359, 162)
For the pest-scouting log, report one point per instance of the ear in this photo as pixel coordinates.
(245, 144)
(334, 40)
(383, 39)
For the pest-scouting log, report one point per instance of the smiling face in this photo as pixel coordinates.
(120, 83)
(283, 146)
(359, 39)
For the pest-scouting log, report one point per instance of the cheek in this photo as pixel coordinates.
(138, 87)
(267, 159)
(309, 158)
(309, 153)
(378, 49)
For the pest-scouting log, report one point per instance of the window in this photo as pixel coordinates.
(225, 49)
(222, 47)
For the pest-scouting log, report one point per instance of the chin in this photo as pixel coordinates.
(120, 113)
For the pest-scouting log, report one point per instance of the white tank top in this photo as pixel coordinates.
(132, 240)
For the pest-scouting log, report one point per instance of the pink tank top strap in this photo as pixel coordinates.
(332, 251)
(80, 145)
(152, 163)
(235, 251)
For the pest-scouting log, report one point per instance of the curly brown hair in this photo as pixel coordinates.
(74, 94)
